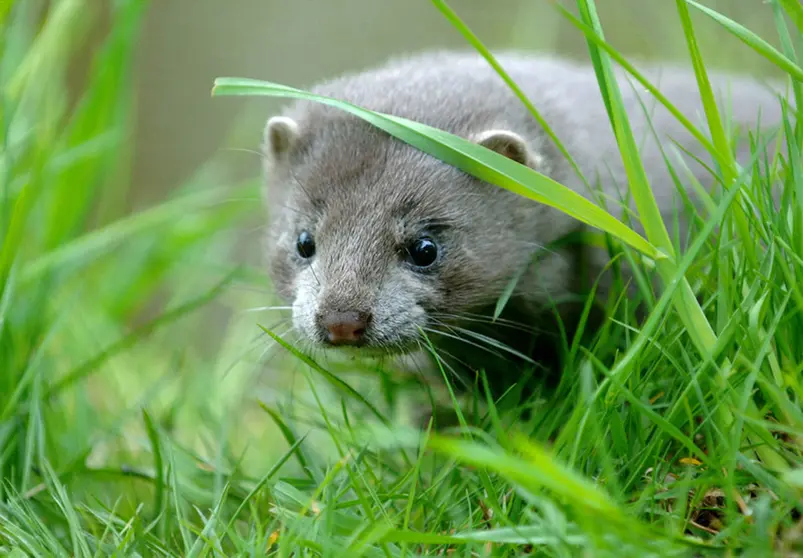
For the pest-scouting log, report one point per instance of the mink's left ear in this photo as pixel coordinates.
(509, 144)
(281, 135)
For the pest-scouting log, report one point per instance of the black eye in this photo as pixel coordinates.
(423, 252)
(305, 245)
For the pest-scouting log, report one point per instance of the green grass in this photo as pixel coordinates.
(144, 412)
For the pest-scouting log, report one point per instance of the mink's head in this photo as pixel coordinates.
(373, 241)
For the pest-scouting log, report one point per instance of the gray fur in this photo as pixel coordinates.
(364, 194)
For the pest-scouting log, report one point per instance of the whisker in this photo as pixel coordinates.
(274, 325)
(457, 319)
(250, 346)
(446, 366)
(486, 320)
(271, 350)
(238, 199)
(299, 185)
(265, 308)
(493, 342)
(490, 341)
(244, 150)
(454, 358)
(460, 339)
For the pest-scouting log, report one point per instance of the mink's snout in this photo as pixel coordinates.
(344, 328)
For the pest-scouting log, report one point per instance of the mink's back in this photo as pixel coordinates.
(461, 93)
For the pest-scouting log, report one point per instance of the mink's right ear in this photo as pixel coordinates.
(281, 134)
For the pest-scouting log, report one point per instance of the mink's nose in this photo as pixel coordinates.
(344, 328)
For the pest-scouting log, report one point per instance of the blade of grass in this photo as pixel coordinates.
(749, 38)
(80, 546)
(788, 45)
(685, 302)
(159, 503)
(727, 162)
(591, 35)
(264, 480)
(291, 439)
(469, 35)
(472, 158)
(795, 11)
(331, 378)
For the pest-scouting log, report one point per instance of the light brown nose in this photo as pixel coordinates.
(345, 328)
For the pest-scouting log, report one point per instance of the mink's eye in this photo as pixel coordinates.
(422, 252)
(305, 245)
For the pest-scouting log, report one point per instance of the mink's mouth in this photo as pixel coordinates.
(372, 345)
(375, 348)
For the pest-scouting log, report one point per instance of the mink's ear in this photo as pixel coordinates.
(509, 144)
(281, 134)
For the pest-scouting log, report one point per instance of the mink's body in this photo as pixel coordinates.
(373, 241)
